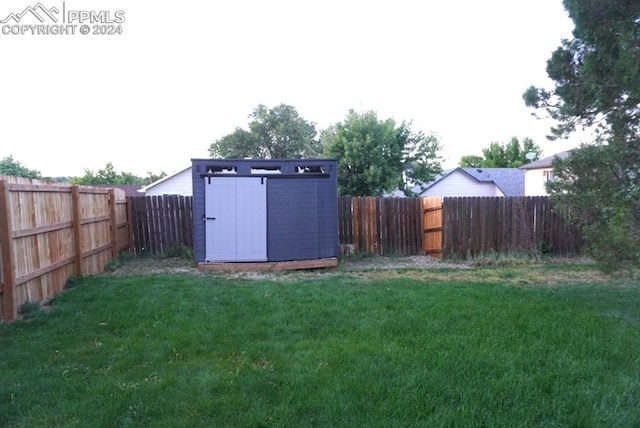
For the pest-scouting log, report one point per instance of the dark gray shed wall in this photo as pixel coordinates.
(198, 209)
(302, 211)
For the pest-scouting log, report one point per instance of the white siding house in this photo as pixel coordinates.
(535, 181)
(538, 173)
(478, 182)
(178, 183)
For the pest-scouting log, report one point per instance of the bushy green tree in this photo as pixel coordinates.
(607, 216)
(509, 155)
(239, 144)
(596, 78)
(274, 133)
(108, 175)
(472, 161)
(377, 156)
(154, 176)
(10, 166)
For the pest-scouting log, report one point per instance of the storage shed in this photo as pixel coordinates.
(265, 210)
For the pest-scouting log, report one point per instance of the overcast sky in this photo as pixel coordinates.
(183, 74)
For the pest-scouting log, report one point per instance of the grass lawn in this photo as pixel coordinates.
(328, 349)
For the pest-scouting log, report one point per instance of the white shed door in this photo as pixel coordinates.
(236, 219)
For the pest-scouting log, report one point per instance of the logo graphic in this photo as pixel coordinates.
(38, 11)
(40, 20)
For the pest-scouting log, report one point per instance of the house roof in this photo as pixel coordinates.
(545, 162)
(130, 190)
(165, 178)
(510, 181)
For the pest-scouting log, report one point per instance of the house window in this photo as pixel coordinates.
(548, 175)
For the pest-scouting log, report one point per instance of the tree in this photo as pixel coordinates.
(239, 144)
(472, 161)
(377, 156)
(275, 133)
(107, 175)
(585, 191)
(9, 166)
(509, 155)
(597, 87)
(154, 176)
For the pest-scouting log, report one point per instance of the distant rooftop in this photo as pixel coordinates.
(130, 190)
(545, 162)
(510, 181)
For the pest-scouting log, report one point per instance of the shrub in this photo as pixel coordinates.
(30, 310)
(179, 250)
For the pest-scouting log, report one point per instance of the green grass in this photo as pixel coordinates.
(331, 350)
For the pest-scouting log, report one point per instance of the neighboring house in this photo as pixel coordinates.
(130, 190)
(454, 182)
(178, 183)
(400, 194)
(536, 174)
(478, 182)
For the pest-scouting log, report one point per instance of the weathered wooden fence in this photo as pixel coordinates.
(49, 233)
(453, 227)
(160, 222)
(406, 226)
(480, 225)
(380, 225)
(372, 225)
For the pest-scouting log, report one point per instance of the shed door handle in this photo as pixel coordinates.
(207, 218)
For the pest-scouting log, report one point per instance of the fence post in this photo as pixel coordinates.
(77, 241)
(114, 223)
(8, 258)
(355, 224)
(130, 224)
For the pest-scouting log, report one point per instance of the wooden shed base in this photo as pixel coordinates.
(270, 266)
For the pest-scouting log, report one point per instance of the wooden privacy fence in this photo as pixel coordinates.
(480, 225)
(159, 222)
(385, 226)
(49, 233)
(449, 227)
(373, 225)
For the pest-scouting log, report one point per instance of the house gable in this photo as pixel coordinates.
(179, 183)
(538, 173)
(459, 183)
(545, 163)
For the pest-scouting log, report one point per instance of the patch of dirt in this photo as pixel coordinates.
(514, 272)
(155, 265)
(412, 262)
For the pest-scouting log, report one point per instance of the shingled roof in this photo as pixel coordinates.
(545, 162)
(510, 181)
(130, 190)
